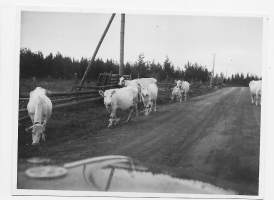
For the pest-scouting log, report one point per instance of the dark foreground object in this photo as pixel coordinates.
(112, 173)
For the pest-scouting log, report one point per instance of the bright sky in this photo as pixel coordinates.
(237, 41)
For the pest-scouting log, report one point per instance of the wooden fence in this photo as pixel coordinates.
(67, 99)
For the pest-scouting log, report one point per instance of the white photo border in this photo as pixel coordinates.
(80, 9)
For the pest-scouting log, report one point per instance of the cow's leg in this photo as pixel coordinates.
(135, 105)
(182, 95)
(112, 118)
(44, 135)
(257, 99)
(172, 97)
(180, 98)
(130, 113)
(252, 98)
(150, 106)
(136, 110)
(155, 107)
(44, 123)
(185, 96)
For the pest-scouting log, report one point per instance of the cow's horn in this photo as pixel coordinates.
(29, 128)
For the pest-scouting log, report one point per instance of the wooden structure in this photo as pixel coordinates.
(110, 79)
(122, 38)
(104, 81)
(121, 67)
(212, 73)
(96, 50)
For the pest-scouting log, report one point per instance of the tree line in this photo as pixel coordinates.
(35, 64)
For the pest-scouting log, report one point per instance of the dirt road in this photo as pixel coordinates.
(212, 138)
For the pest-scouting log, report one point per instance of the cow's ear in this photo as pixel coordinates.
(101, 93)
(175, 81)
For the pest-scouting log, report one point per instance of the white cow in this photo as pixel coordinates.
(149, 96)
(39, 109)
(176, 94)
(178, 83)
(255, 88)
(125, 98)
(144, 82)
(149, 88)
(184, 87)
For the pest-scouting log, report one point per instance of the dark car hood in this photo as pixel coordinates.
(119, 174)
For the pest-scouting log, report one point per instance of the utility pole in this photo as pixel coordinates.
(122, 39)
(212, 73)
(96, 50)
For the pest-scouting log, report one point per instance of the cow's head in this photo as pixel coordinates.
(178, 83)
(107, 97)
(37, 130)
(146, 100)
(122, 81)
(148, 108)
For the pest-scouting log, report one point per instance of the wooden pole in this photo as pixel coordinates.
(212, 75)
(213, 63)
(122, 38)
(96, 50)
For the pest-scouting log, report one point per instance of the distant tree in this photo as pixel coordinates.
(168, 69)
(196, 72)
(141, 66)
(35, 64)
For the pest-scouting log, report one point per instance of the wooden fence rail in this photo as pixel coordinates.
(101, 87)
(93, 89)
(61, 105)
(73, 98)
(55, 94)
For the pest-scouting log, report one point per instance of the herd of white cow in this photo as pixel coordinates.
(131, 94)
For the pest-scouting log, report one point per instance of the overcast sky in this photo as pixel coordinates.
(236, 41)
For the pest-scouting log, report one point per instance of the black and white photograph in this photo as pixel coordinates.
(140, 103)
